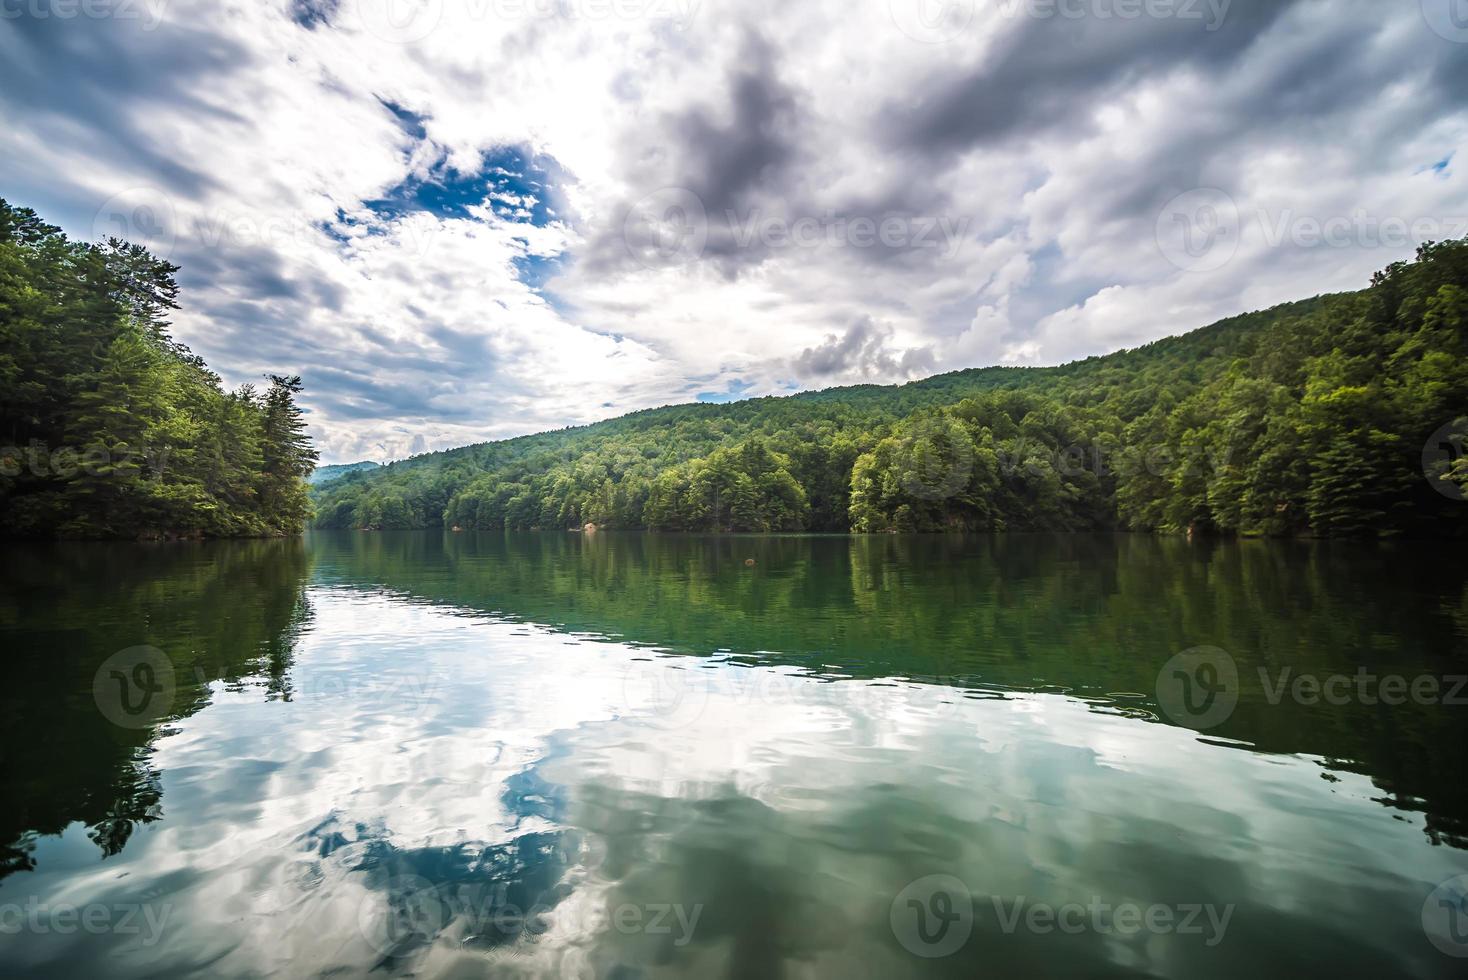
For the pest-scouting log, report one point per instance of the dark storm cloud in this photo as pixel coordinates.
(1049, 75)
(734, 153)
(746, 151)
(1303, 88)
(1450, 70)
(726, 162)
(250, 270)
(105, 75)
(351, 394)
(1049, 71)
(1341, 65)
(862, 351)
(735, 171)
(1257, 85)
(396, 379)
(255, 301)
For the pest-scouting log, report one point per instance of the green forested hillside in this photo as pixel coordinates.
(109, 428)
(1308, 418)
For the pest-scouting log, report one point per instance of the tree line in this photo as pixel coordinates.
(1338, 415)
(111, 428)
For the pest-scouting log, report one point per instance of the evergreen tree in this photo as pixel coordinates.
(112, 428)
(287, 455)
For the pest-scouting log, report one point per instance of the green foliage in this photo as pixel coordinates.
(113, 429)
(1305, 419)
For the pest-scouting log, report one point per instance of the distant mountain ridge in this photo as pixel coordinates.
(1307, 418)
(326, 474)
(936, 389)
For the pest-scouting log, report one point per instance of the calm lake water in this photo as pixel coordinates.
(558, 755)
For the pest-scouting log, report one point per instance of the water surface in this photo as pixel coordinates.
(658, 756)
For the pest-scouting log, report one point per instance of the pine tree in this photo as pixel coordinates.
(288, 458)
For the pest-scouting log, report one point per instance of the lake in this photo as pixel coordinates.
(627, 755)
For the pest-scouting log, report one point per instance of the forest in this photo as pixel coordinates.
(1340, 415)
(110, 428)
(1337, 415)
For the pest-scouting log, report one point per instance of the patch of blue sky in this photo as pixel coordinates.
(735, 390)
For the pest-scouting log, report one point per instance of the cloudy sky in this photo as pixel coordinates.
(469, 219)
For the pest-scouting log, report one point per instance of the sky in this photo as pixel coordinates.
(463, 220)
